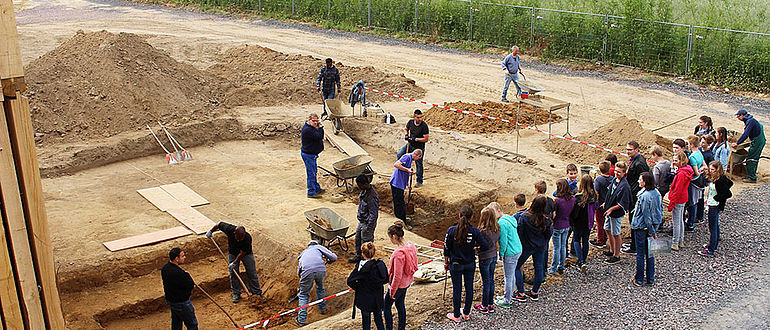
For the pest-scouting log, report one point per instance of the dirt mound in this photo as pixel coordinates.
(613, 135)
(101, 84)
(451, 120)
(258, 76)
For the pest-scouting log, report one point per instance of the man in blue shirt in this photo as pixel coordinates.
(512, 68)
(756, 133)
(399, 181)
(312, 136)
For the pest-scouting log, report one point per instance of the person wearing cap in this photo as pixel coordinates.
(416, 133)
(239, 250)
(512, 68)
(311, 269)
(755, 132)
(330, 77)
(368, 212)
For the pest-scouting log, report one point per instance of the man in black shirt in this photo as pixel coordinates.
(239, 250)
(416, 134)
(177, 286)
(637, 165)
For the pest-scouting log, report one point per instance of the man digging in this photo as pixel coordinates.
(368, 212)
(239, 250)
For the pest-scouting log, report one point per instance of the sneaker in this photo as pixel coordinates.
(354, 260)
(637, 283)
(628, 251)
(561, 271)
(452, 317)
(465, 317)
(321, 191)
(316, 196)
(674, 247)
(533, 296)
(612, 260)
(506, 101)
(236, 298)
(323, 312)
(681, 244)
(706, 253)
(490, 309)
(502, 304)
(608, 253)
(520, 297)
(688, 229)
(479, 308)
(298, 323)
(625, 245)
(418, 185)
(583, 268)
(747, 180)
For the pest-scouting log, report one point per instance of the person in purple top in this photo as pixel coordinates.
(399, 181)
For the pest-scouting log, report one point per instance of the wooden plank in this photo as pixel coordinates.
(11, 69)
(16, 225)
(345, 143)
(147, 238)
(192, 219)
(184, 194)
(160, 198)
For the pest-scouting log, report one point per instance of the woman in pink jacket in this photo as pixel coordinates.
(403, 264)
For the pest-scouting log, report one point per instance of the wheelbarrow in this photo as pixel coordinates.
(328, 228)
(336, 112)
(348, 169)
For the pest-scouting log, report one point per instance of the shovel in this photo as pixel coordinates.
(182, 153)
(170, 158)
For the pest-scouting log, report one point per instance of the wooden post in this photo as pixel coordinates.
(11, 69)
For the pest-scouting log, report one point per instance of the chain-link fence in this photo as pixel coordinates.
(718, 56)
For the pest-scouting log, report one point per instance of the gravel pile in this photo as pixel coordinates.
(688, 290)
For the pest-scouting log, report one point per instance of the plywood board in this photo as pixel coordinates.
(184, 194)
(147, 238)
(344, 143)
(192, 219)
(160, 198)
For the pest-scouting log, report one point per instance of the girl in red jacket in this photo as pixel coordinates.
(677, 197)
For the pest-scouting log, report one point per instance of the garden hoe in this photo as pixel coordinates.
(170, 158)
(181, 153)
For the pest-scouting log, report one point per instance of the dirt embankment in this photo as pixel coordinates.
(451, 120)
(614, 135)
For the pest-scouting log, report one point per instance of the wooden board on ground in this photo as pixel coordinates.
(184, 194)
(343, 142)
(147, 238)
(160, 198)
(192, 219)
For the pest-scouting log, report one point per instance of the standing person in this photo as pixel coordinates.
(581, 218)
(403, 264)
(721, 149)
(602, 188)
(416, 134)
(490, 230)
(367, 279)
(706, 142)
(312, 144)
(637, 165)
(368, 212)
(459, 244)
(512, 68)
(330, 77)
(572, 179)
(510, 249)
(399, 181)
(661, 169)
(534, 231)
(564, 205)
(550, 211)
(755, 132)
(678, 197)
(708, 156)
(311, 268)
(705, 126)
(649, 214)
(239, 250)
(697, 184)
(613, 159)
(718, 193)
(615, 208)
(177, 287)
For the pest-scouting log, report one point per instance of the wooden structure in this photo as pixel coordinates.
(28, 292)
(540, 102)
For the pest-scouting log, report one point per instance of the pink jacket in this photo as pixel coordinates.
(403, 264)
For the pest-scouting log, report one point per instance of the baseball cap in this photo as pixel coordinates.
(742, 112)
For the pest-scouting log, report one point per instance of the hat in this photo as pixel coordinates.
(312, 242)
(742, 112)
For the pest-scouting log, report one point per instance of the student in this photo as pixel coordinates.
(637, 165)
(679, 145)
(718, 193)
(367, 279)
(613, 159)
(721, 147)
(708, 156)
(572, 174)
(706, 142)
(550, 211)
(581, 218)
(615, 208)
(602, 187)
(661, 169)
(705, 126)
(648, 215)
(564, 205)
(534, 231)
(677, 198)
(510, 249)
(488, 259)
(403, 264)
(459, 258)
(697, 184)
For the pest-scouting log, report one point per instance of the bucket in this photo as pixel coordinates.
(524, 95)
(586, 169)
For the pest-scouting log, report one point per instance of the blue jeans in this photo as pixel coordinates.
(713, 215)
(183, 312)
(250, 265)
(580, 243)
(559, 249)
(641, 258)
(545, 257)
(462, 274)
(311, 169)
(328, 93)
(398, 299)
(366, 320)
(537, 264)
(509, 273)
(487, 269)
(511, 77)
(417, 163)
(305, 285)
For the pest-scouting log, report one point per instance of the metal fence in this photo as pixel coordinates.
(720, 56)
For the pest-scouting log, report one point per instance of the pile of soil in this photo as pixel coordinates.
(613, 135)
(258, 76)
(101, 84)
(455, 121)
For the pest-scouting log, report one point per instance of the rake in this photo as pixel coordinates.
(182, 153)
(170, 158)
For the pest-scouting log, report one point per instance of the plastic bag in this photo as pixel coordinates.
(658, 246)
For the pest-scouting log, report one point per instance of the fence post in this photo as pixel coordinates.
(369, 13)
(689, 51)
(606, 35)
(532, 29)
(260, 6)
(416, 4)
(292, 7)
(329, 13)
(470, 21)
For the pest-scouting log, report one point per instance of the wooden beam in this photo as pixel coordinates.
(25, 156)
(147, 238)
(11, 69)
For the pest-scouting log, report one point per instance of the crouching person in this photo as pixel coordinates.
(312, 269)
